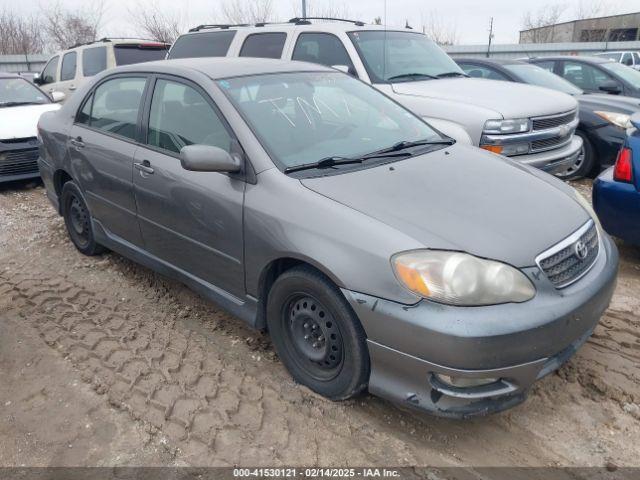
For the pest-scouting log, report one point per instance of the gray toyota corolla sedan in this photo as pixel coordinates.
(377, 253)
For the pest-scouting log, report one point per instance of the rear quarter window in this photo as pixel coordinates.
(263, 45)
(128, 54)
(94, 60)
(207, 44)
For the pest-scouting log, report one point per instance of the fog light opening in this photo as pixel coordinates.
(464, 382)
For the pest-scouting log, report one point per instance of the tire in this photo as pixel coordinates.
(584, 164)
(77, 219)
(317, 335)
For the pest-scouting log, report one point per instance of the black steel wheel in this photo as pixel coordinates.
(313, 333)
(317, 335)
(77, 219)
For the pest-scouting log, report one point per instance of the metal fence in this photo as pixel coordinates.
(22, 63)
(538, 49)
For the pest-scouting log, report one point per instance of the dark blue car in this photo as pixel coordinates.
(616, 192)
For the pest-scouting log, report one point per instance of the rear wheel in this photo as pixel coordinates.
(78, 220)
(585, 162)
(316, 334)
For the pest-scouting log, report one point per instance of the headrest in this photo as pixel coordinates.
(191, 97)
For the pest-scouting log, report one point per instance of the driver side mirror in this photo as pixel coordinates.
(205, 158)
(38, 80)
(57, 96)
(611, 86)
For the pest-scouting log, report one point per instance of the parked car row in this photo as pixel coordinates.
(330, 191)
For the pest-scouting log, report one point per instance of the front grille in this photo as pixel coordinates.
(566, 262)
(544, 123)
(548, 143)
(19, 162)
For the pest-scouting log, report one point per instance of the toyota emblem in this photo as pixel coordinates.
(581, 249)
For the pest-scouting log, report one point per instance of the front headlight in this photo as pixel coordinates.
(618, 119)
(518, 125)
(460, 279)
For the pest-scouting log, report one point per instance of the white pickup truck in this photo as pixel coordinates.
(532, 125)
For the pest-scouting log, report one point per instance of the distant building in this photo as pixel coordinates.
(616, 28)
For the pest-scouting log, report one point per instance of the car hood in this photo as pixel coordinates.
(616, 103)
(21, 121)
(462, 198)
(508, 99)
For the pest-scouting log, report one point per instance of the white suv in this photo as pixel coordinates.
(533, 125)
(84, 61)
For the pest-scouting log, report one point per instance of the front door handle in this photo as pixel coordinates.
(77, 142)
(72, 87)
(144, 167)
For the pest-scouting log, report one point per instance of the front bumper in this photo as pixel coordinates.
(516, 344)
(18, 160)
(553, 161)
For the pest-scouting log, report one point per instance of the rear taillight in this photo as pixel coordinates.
(622, 172)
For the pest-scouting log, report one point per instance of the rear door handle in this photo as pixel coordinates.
(77, 142)
(72, 87)
(144, 167)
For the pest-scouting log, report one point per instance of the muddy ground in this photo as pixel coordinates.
(103, 362)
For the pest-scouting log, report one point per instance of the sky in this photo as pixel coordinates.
(469, 18)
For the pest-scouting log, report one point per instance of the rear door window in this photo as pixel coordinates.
(49, 73)
(264, 45)
(139, 53)
(207, 44)
(114, 107)
(94, 60)
(68, 70)
(323, 48)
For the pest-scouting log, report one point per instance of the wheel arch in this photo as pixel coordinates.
(272, 270)
(60, 177)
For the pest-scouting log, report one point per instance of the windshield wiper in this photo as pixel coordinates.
(326, 162)
(16, 104)
(451, 74)
(410, 76)
(408, 144)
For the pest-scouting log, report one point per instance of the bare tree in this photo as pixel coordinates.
(377, 21)
(246, 11)
(20, 34)
(65, 28)
(439, 30)
(321, 8)
(595, 8)
(540, 25)
(156, 23)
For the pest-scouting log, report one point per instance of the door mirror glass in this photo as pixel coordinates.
(57, 96)
(610, 86)
(206, 158)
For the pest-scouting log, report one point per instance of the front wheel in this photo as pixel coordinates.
(316, 334)
(584, 164)
(78, 220)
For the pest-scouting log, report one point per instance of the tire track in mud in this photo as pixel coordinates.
(178, 384)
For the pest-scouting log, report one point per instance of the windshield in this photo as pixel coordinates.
(535, 75)
(20, 91)
(628, 74)
(398, 56)
(309, 116)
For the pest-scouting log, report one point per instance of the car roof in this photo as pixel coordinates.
(224, 67)
(580, 58)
